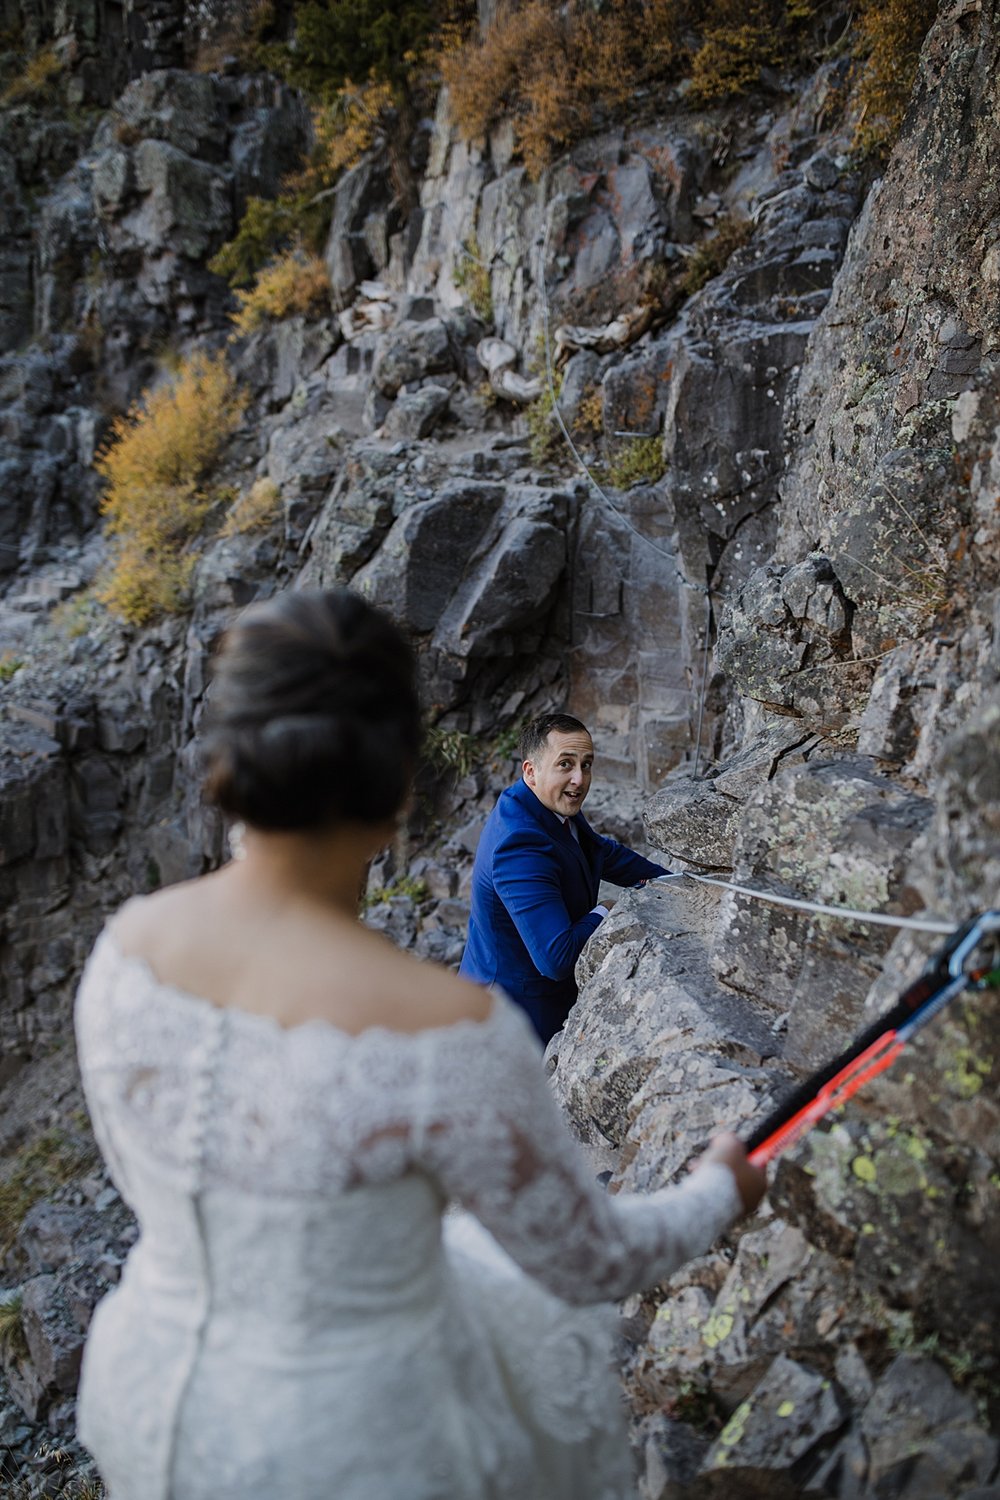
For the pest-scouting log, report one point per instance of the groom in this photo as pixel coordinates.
(538, 868)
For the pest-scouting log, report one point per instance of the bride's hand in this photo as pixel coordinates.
(751, 1182)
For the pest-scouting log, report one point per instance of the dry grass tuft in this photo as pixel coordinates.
(40, 1167)
(13, 1344)
(714, 254)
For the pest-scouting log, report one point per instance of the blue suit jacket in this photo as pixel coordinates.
(533, 887)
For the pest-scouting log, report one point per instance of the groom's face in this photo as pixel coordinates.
(560, 771)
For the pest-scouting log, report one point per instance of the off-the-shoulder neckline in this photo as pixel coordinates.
(312, 1024)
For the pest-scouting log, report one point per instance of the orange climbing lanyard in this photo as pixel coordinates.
(945, 976)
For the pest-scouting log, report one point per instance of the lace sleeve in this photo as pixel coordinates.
(491, 1133)
(93, 1036)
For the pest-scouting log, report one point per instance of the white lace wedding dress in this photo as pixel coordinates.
(299, 1319)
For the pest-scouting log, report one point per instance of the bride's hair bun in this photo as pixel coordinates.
(313, 716)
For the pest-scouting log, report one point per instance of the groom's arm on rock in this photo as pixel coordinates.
(622, 866)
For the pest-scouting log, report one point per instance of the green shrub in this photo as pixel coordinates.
(403, 885)
(545, 435)
(472, 276)
(266, 226)
(337, 40)
(640, 461)
(504, 746)
(450, 749)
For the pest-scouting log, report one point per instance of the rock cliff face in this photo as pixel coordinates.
(786, 642)
(864, 722)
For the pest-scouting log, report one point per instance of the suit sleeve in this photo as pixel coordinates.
(526, 877)
(623, 866)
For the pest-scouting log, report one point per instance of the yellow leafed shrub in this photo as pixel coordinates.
(343, 130)
(255, 510)
(740, 37)
(890, 36)
(555, 68)
(293, 283)
(155, 464)
(549, 67)
(34, 80)
(145, 584)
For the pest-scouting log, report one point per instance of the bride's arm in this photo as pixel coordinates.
(493, 1136)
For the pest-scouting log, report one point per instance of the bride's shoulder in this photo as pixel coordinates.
(143, 916)
(436, 996)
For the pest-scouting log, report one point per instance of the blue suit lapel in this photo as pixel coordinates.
(559, 833)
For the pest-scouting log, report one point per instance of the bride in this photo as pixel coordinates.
(289, 1104)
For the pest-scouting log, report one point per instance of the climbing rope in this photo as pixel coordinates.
(945, 976)
(800, 903)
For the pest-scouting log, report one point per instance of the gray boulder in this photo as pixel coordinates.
(304, 451)
(410, 352)
(54, 1339)
(922, 1433)
(185, 110)
(511, 576)
(786, 641)
(690, 819)
(415, 414)
(353, 252)
(425, 555)
(654, 1056)
(783, 1420)
(274, 359)
(835, 832)
(186, 202)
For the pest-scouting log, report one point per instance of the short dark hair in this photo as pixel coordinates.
(313, 716)
(536, 733)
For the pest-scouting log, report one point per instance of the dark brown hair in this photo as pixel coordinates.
(535, 734)
(313, 716)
